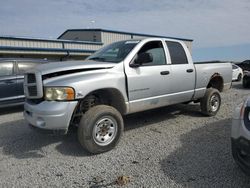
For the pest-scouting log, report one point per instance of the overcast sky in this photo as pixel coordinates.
(220, 28)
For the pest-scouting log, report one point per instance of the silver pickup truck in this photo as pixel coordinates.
(122, 78)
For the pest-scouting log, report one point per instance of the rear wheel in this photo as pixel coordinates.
(245, 82)
(210, 103)
(100, 129)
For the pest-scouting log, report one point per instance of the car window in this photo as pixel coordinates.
(155, 48)
(6, 69)
(234, 67)
(115, 52)
(24, 66)
(177, 53)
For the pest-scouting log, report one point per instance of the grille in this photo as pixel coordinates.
(32, 91)
(31, 78)
(33, 86)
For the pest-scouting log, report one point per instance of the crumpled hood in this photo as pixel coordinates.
(62, 66)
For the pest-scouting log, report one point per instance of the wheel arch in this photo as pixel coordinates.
(216, 81)
(109, 96)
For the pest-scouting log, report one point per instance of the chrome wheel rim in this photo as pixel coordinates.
(105, 130)
(214, 103)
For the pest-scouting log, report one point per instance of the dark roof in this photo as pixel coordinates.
(122, 32)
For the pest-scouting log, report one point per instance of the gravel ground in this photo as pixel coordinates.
(174, 146)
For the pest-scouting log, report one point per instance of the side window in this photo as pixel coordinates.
(177, 53)
(24, 66)
(6, 69)
(155, 48)
(234, 67)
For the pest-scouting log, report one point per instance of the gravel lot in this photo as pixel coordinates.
(170, 147)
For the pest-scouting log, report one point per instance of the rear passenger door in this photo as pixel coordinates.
(22, 67)
(7, 81)
(182, 73)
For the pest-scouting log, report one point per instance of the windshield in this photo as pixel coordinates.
(115, 52)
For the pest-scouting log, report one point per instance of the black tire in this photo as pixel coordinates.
(239, 77)
(211, 102)
(245, 83)
(100, 129)
(236, 156)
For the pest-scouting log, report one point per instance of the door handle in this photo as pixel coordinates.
(190, 70)
(165, 72)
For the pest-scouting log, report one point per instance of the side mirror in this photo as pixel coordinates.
(142, 58)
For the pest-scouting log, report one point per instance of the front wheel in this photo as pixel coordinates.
(211, 102)
(100, 129)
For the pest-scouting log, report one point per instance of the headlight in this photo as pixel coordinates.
(59, 93)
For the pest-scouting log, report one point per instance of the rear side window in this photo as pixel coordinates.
(24, 66)
(177, 53)
(6, 69)
(155, 48)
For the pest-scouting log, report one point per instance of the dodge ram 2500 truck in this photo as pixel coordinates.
(122, 78)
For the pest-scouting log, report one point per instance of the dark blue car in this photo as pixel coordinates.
(11, 79)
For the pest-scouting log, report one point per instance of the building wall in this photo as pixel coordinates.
(42, 48)
(81, 46)
(94, 36)
(29, 43)
(108, 37)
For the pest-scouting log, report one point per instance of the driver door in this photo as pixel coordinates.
(149, 83)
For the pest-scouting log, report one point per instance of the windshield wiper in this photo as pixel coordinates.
(97, 58)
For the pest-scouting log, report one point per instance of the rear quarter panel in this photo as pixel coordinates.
(204, 73)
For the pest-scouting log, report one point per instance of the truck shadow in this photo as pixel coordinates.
(18, 140)
(149, 117)
(205, 154)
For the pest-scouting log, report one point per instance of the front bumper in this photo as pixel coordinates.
(49, 115)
